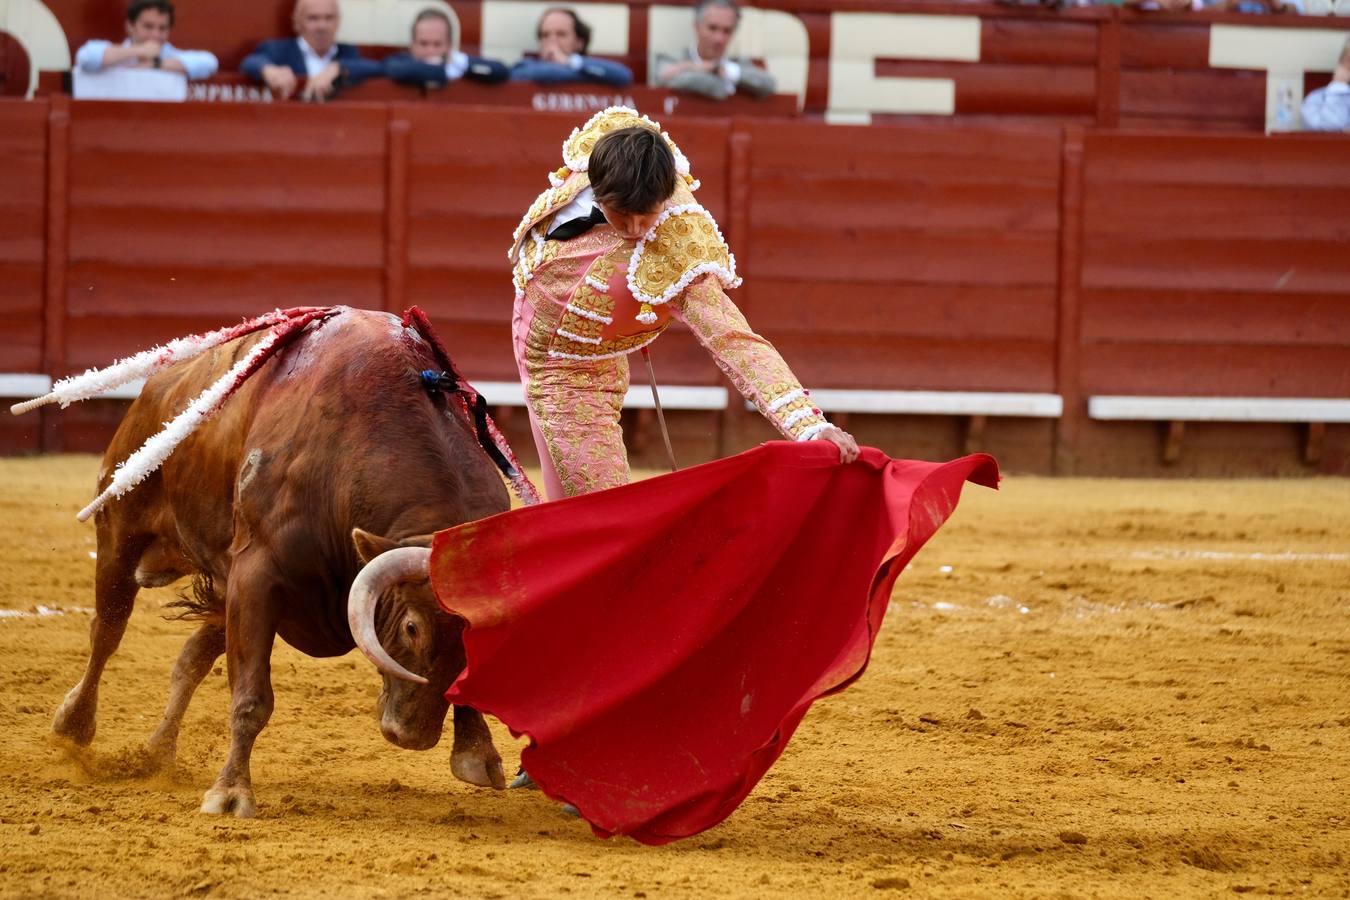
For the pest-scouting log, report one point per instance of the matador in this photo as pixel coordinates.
(604, 260)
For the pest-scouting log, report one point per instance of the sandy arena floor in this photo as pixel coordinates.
(1084, 688)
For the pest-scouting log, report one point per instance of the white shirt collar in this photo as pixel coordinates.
(314, 63)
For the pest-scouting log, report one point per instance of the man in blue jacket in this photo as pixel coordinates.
(563, 41)
(313, 54)
(432, 60)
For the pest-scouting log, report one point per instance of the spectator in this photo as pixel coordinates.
(563, 42)
(432, 59)
(1328, 108)
(705, 68)
(147, 45)
(313, 54)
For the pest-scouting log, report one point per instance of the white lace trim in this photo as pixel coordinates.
(813, 431)
(580, 339)
(784, 399)
(558, 354)
(600, 286)
(798, 416)
(728, 277)
(587, 314)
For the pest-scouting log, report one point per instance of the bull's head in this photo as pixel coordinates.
(398, 624)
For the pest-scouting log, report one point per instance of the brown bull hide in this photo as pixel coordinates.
(264, 505)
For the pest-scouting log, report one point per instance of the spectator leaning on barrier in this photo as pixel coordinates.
(313, 54)
(563, 42)
(1328, 108)
(432, 61)
(705, 67)
(147, 45)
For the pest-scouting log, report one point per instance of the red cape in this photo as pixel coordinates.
(660, 641)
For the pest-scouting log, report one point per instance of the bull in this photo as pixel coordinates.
(328, 456)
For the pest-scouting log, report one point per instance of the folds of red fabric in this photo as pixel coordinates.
(660, 642)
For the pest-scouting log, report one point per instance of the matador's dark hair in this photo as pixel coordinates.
(632, 170)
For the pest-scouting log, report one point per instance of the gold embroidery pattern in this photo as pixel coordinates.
(576, 406)
(681, 244)
(578, 146)
(592, 301)
(750, 362)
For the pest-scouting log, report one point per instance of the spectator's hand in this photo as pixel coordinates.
(848, 447)
(174, 65)
(1342, 71)
(550, 51)
(146, 52)
(280, 79)
(320, 87)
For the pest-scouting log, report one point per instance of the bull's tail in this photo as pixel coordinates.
(139, 465)
(144, 364)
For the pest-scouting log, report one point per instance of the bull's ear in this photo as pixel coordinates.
(368, 546)
(417, 540)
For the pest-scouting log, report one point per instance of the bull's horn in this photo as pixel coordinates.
(381, 573)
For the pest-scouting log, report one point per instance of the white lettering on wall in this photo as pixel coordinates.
(1285, 54)
(34, 26)
(858, 40)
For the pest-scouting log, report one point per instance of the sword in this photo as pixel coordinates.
(660, 415)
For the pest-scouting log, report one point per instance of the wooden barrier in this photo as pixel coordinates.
(1052, 264)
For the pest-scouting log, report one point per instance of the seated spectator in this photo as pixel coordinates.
(1328, 108)
(313, 54)
(705, 68)
(431, 61)
(147, 45)
(563, 42)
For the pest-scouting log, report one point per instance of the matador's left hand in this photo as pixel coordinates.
(848, 447)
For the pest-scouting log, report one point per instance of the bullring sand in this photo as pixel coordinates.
(1083, 689)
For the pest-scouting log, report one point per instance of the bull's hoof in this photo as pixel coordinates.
(479, 769)
(237, 799)
(74, 720)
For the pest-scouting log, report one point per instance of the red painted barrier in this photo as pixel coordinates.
(942, 258)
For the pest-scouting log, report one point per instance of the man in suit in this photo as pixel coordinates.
(432, 61)
(313, 54)
(147, 45)
(705, 68)
(563, 41)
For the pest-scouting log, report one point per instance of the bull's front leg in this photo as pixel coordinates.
(251, 612)
(474, 758)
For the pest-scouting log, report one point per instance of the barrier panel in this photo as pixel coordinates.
(1061, 264)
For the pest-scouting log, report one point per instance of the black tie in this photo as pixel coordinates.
(578, 226)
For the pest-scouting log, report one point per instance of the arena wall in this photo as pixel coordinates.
(945, 258)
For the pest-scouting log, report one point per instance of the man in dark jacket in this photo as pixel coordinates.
(313, 54)
(433, 59)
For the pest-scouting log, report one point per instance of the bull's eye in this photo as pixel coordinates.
(411, 629)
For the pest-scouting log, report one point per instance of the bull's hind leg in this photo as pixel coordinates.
(114, 594)
(252, 604)
(199, 654)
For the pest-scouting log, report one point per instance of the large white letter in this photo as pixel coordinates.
(1285, 54)
(43, 38)
(859, 39)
